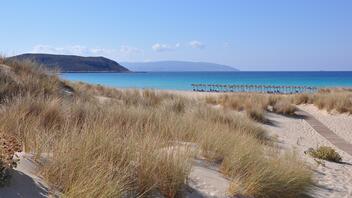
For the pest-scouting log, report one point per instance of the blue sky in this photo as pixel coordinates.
(247, 34)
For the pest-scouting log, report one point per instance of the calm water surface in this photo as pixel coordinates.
(183, 80)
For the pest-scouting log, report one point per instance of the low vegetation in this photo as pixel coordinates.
(104, 142)
(254, 104)
(326, 153)
(284, 107)
(268, 178)
(339, 100)
(256, 114)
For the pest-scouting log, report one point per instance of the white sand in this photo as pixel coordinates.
(205, 180)
(340, 124)
(335, 180)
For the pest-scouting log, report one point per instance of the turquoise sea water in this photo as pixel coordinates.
(183, 80)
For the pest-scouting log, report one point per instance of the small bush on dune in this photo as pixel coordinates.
(325, 101)
(245, 152)
(344, 105)
(273, 99)
(302, 99)
(256, 173)
(232, 121)
(52, 115)
(340, 102)
(284, 107)
(241, 101)
(232, 102)
(89, 165)
(326, 153)
(164, 169)
(328, 99)
(31, 120)
(151, 98)
(178, 106)
(27, 78)
(211, 100)
(256, 114)
(273, 178)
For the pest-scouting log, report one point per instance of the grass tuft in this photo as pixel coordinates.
(256, 114)
(284, 107)
(272, 178)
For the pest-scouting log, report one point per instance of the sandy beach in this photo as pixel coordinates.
(293, 133)
(172, 99)
(333, 179)
(340, 124)
(205, 179)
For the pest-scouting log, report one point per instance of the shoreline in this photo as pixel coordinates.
(190, 126)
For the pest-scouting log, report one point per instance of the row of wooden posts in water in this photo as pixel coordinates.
(254, 88)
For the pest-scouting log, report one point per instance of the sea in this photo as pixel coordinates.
(183, 80)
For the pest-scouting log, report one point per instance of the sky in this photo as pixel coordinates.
(252, 35)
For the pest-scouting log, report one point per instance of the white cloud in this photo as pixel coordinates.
(72, 49)
(128, 50)
(46, 49)
(101, 51)
(196, 44)
(159, 47)
(124, 52)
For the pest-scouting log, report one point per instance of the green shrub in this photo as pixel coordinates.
(326, 153)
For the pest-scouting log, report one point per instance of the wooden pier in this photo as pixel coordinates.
(273, 89)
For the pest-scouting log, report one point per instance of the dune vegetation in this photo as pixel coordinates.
(105, 142)
(326, 153)
(254, 104)
(339, 100)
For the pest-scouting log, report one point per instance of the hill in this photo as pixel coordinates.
(176, 66)
(70, 63)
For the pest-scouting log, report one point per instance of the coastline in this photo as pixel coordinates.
(204, 137)
(184, 80)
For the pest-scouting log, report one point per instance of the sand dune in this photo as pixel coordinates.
(206, 181)
(333, 179)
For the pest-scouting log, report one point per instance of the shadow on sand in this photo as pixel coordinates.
(21, 185)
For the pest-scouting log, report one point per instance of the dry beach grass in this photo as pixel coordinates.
(339, 100)
(129, 144)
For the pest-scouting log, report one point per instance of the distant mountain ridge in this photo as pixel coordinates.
(176, 66)
(71, 63)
